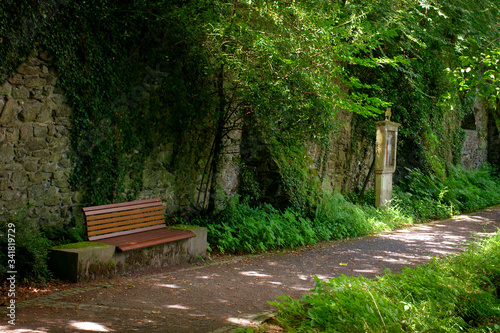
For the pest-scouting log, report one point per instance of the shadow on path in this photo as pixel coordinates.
(212, 296)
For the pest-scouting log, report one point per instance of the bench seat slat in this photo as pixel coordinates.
(122, 209)
(127, 227)
(158, 220)
(131, 219)
(122, 233)
(147, 238)
(123, 204)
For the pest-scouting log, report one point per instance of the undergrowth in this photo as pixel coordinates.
(242, 227)
(457, 294)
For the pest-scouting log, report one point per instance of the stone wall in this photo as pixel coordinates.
(35, 154)
(34, 144)
(475, 146)
(344, 164)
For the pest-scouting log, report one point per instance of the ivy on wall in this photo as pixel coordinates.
(138, 74)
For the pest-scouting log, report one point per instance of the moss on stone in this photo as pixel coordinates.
(183, 227)
(78, 245)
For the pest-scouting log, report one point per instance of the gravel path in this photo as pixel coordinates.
(218, 295)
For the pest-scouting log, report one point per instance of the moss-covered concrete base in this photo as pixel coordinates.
(86, 261)
(82, 263)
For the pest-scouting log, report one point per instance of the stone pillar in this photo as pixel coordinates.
(385, 159)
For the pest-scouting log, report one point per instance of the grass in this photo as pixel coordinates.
(456, 294)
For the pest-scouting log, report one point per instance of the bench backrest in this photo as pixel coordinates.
(124, 218)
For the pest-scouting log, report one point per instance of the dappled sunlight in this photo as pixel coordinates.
(254, 274)
(240, 321)
(300, 288)
(276, 283)
(303, 277)
(366, 271)
(206, 277)
(198, 315)
(89, 326)
(177, 306)
(323, 277)
(171, 286)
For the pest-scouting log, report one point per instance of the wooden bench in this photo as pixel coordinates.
(131, 225)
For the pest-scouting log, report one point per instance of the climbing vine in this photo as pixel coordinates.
(139, 74)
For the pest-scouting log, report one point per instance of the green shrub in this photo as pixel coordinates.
(242, 228)
(424, 196)
(456, 294)
(65, 234)
(30, 249)
(336, 218)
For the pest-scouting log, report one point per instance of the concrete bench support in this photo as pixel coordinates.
(88, 261)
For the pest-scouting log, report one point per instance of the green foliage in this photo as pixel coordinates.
(457, 294)
(241, 228)
(30, 249)
(337, 218)
(59, 235)
(425, 196)
(138, 74)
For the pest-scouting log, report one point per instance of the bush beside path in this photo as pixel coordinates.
(225, 293)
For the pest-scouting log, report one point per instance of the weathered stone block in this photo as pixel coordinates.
(36, 192)
(64, 163)
(58, 175)
(9, 112)
(12, 135)
(44, 115)
(26, 131)
(33, 144)
(21, 153)
(55, 157)
(52, 199)
(28, 70)
(35, 177)
(59, 99)
(46, 176)
(9, 195)
(20, 92)
(5, 88)
(4, 185)
(6, 152)
(51, 167)
(48, 90)
(40, 131)
(30, 166)
(64, 121)
(19, 179)
(63, 111)
(16, 79)
(15, 204)
(30, 111)
(14, 167)
(34, 82)
(61, 183)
